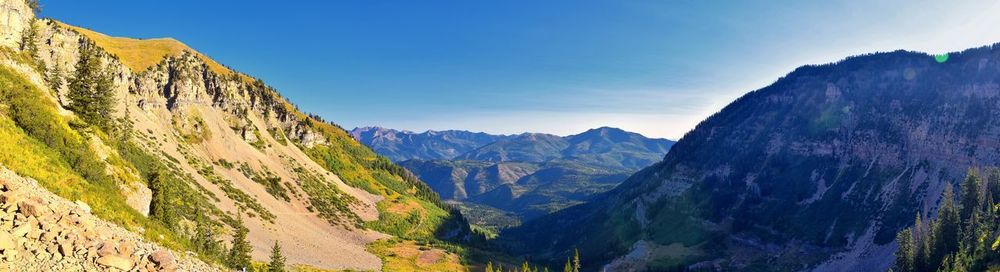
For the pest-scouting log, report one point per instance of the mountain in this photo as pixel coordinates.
(430, 145)
(524, 176)
(604, 147)
(818, 170)
(174, 150)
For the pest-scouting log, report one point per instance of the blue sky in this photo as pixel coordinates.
(655, 67)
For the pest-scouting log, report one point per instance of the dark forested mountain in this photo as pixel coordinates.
(400, 145)
(532, 174)
(819, 170)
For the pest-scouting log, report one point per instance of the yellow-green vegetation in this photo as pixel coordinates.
(192, 127)
(360, 167)
(38, 143)
(271, 182)
(326, 199)
(278, 135)
(402, 255)
(140, 54)
(259, 143)
(242, 199)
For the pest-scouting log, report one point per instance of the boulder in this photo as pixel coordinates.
(11, 197)
(108, 248)
(32, 208)
(6, 241)
(161, 257)
(126, 248)
(83, 206)
(66, 248)
(115, 261)
(21, 231)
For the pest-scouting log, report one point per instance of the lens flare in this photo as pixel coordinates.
(909, 73)
(941, 58)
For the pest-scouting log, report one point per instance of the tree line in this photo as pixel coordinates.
(963, 236)
(571, 265)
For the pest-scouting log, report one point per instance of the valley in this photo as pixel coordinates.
(145, 154)
(499, 181)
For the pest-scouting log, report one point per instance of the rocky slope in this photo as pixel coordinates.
(196, 144)
(41, 231)
(816, 171)
(430, 145)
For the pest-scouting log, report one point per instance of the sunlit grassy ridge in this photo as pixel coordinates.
(140, 54)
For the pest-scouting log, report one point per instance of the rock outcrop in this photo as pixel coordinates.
(15, 19)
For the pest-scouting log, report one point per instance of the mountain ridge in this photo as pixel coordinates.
(829, 160)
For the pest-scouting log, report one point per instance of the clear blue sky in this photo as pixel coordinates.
(656, 67)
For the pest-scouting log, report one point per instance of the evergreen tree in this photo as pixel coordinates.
(576, 260)
(54, 77)
(525, 267)
(568, 267)
(905, 255)
(90, 90)
(947, 228)
(160, 207)
(28, 41)
(239, 253)
(489, 267)
(972, 196)
(277, 260)
(34, 6)
(204, 237)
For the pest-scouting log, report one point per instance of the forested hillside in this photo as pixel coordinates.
(818, 170)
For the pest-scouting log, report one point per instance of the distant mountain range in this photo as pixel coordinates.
(516, 177)
(401, 145)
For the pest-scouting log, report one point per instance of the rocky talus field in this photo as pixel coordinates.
(43, 232)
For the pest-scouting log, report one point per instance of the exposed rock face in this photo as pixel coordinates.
(830, 160)
(42, 232)
(15, 18)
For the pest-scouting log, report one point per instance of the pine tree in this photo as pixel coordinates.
(160, 207)
(34, 6)
(576, 260)
(90, 90)
(489, 267)
(204, 237)
(905, 254)
(525, 267)
(54, 77)
(971, 197)
(239, 253)
(568, 267)
(948, 226)
(277, 260)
